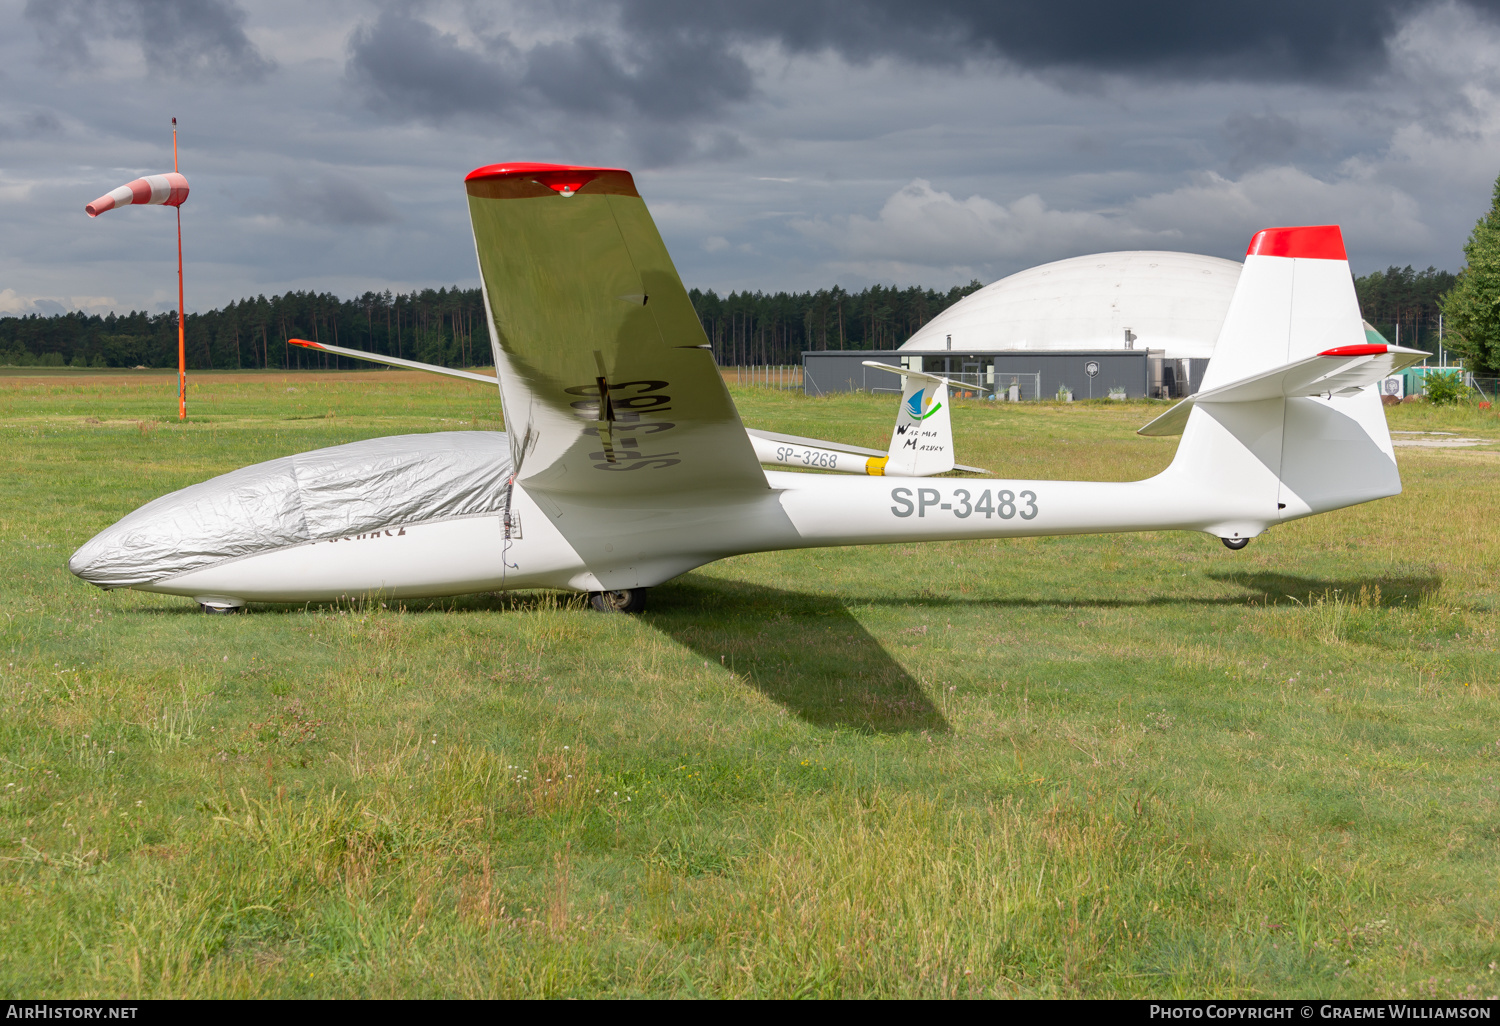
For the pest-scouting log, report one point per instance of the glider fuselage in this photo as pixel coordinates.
(645, 544)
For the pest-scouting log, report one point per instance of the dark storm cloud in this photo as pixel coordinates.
(184, 38)
(790, 145)
(1256, 140)
(333, 198)
(1326, 41)
(677, 63)
(407, 68)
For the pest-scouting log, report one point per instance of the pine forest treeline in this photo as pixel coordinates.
(447, 327)
(442, 326)
(750, 328)
(1400, 295)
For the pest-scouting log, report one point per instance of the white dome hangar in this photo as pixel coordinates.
(1173, 302)
(1062, 327)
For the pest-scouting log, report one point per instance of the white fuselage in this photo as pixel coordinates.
(646, 546)
(1241, 467)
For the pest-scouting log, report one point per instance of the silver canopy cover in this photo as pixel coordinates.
(313, 496)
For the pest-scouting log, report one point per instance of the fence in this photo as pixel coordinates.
(1013, 387)
(771, 375)
(970, 381)
(1487, 388)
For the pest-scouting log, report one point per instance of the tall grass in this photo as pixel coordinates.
(1125, 765)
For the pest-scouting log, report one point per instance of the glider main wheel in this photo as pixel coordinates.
(1235, 543)
(630, 600)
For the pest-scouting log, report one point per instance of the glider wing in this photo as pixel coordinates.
(609, 387)
(392, 361)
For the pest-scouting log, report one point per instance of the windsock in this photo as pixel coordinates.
(169, 189)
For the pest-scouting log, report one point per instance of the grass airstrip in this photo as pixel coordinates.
(1094, 766)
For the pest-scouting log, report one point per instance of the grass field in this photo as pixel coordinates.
(1095, 766)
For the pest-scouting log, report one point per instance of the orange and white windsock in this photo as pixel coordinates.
(169, 189)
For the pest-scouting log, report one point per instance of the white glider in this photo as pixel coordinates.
(626, 464)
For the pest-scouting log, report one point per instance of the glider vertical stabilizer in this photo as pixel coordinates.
(922, 439)
(1284, 419)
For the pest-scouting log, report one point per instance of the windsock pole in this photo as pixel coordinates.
(181, 312)
(170, 189)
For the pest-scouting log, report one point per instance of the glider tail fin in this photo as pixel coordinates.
(1283, 425)
(922, 439)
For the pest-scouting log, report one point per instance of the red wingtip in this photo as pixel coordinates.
(1316, 242)
(1366, 349)
(522, 168)
(304, 343)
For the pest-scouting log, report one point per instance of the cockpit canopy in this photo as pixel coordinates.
(312, 496)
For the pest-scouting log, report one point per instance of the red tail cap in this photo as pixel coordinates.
(1317, 242)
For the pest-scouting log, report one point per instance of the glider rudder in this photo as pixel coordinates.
(1274, 457)
(922, 438)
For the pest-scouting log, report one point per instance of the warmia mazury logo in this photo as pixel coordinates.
(917, 404)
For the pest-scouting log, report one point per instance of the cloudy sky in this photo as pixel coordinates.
(785, 144)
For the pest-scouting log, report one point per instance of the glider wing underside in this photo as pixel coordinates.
(609, 387)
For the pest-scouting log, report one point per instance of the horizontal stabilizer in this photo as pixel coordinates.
(391, 361)
(1339, 371)
(931, 379)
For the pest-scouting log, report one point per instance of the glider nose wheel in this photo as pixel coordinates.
(631, 600)
(1235, 543)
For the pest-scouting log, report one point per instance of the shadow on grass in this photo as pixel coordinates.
(1394, 591)
(805, 652)
(531, 600)
(1262, 588)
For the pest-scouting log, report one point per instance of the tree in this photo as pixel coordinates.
(447, 326)
(1402, 302)
(758, 328)
(1445, 389)
(1472, 308)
